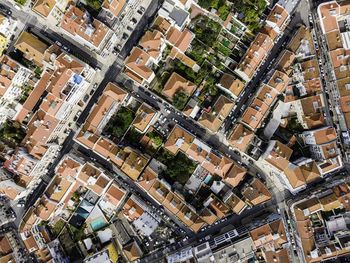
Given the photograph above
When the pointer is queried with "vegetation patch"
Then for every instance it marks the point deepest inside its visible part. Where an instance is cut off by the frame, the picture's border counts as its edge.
(180, 99)
(77, 234)
(26, 90)
(38, 71)
(120, 122)
(220, 5)
(206, 30)
(197, 52)
(179, 166)
(210, 86)
(133, 137)
(294, 125)
(21, 2)
(189, 74)
(222, 49)
(250, 11)
(12, 132)
(156, 139)
(94, 4)
(57, 228)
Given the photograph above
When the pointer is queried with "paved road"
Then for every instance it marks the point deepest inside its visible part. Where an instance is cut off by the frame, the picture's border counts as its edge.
(214, 141)
(42, 31)
(331, 94)
(234, 221)
(141, 26)
(254, 84)
(109, 75)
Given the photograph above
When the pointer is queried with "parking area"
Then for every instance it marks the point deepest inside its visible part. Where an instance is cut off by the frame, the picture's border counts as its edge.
(7, 214)
(128, 21)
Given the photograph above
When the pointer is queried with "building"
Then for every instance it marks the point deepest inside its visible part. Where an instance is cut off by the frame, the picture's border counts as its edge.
(322, 142)
(109, 254)
(138, 67)
(218, 113)
(174, 12)
(320, 237)
(254, 56)
(85, 29)
(51, 10)
(275, 23)
(32, 48)
(112, 9)
(8, 26)
(175, 84)
(110, 101)
(332, 16)
(256, 193)
(14, 79)
(153, 42)
(240, 137)
(145, 116)
(231, 85)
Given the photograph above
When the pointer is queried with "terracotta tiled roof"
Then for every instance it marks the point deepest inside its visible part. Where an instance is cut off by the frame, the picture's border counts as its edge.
(151, 42)
(232, 84)
(77, 22)
(114, 6)
(278, 15)
(241, 137)
(236, 204)
(44, 7)
(147, 179)
(328, 13)
(256, 193)
(132, 251)
(286, 61)
(180, 39)
(161, 24)
(40, 128)
(137, 62)
(279, 156)
(111, 98)
(269, 236)
(179, 139)
(144, 116)
(267, 95)
(5, 247)
(134, 163)
(279, 256)
(173, 203)
(132, 210)
(7, 72)
(255, 114)
(310, 69)
(279, 81)
(257, 51)
(114, 194)
(159, 191)
(177, 83)
(235, 175)
(217, 115)
(31, 47)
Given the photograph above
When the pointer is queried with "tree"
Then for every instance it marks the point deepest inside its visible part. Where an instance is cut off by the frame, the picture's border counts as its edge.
(12, 132)
(204, 3)
(94, 4)
(224, 11)
(156, 139)
(120, 122)
(174, 171)
(180, 100)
